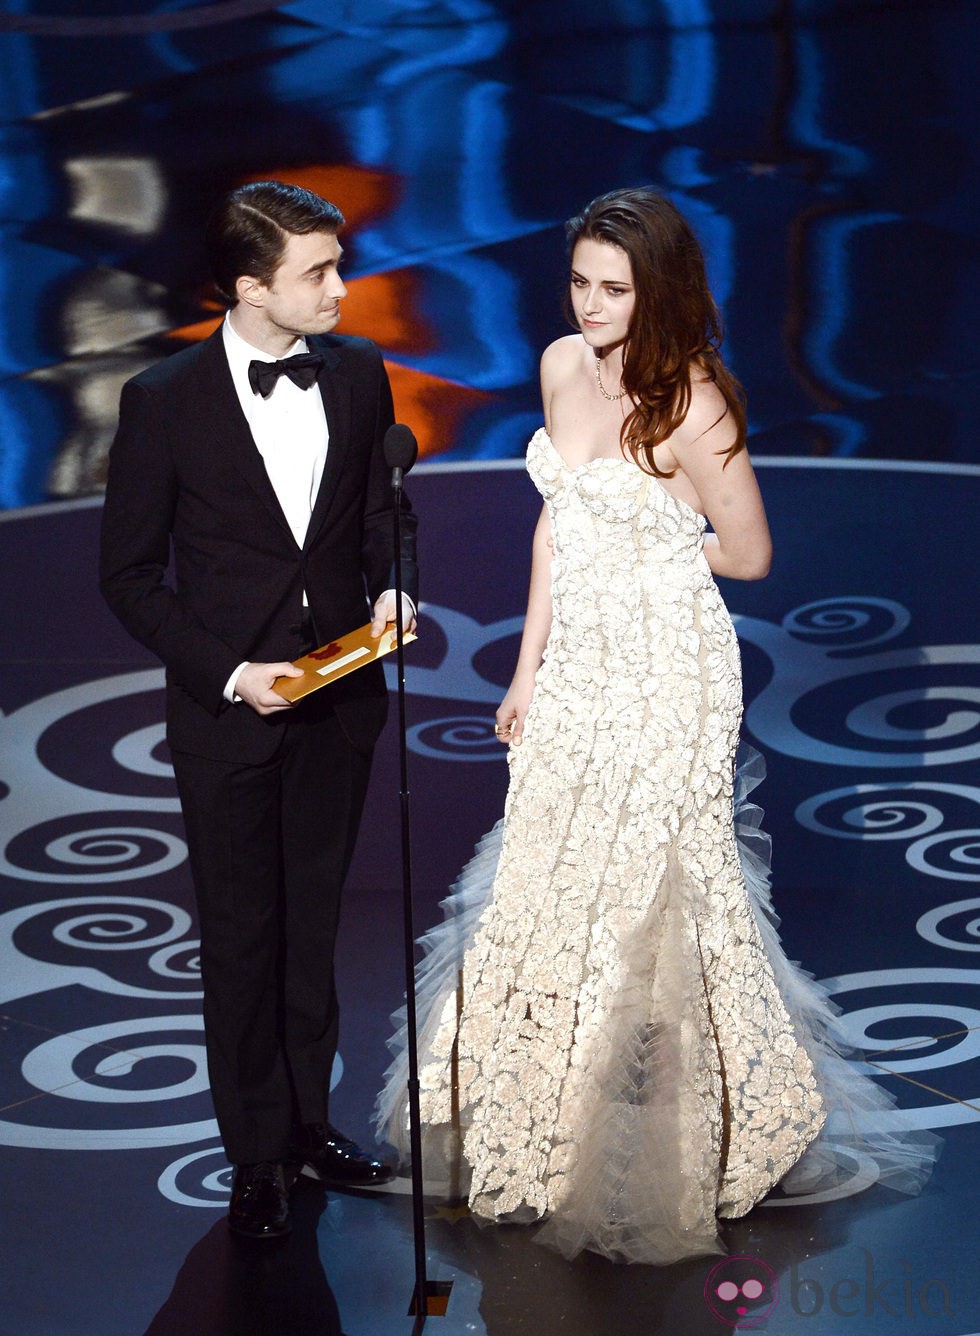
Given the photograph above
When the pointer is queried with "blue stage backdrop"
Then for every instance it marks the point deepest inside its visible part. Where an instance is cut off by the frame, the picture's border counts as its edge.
(824, 153)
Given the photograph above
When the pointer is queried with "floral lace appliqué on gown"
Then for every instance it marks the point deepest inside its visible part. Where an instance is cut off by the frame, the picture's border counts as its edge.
(604, 1042)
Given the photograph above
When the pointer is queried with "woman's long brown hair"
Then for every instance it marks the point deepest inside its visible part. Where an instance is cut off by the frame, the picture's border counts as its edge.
(676, 326)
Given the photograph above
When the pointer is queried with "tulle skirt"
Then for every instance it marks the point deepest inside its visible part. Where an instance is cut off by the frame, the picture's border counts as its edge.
(625, 1191)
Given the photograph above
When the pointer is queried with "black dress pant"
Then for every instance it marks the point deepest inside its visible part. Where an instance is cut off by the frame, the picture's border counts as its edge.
(269, 846)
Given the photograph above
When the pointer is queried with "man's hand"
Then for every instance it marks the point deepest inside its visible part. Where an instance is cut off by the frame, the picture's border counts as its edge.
(384, 612)
(254, 686)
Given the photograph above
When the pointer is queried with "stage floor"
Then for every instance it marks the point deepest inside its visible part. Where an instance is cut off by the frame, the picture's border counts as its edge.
(858, 674)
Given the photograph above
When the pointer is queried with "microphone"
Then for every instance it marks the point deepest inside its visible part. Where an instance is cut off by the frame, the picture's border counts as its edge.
(401, 450)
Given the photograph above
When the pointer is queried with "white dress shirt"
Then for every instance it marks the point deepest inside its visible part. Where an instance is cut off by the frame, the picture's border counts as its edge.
(291, 434)
(289, 429)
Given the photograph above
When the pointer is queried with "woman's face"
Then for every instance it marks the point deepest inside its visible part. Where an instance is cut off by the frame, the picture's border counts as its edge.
(602, 293)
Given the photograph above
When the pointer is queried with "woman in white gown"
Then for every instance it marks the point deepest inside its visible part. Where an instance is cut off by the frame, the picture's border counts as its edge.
(610, 1037)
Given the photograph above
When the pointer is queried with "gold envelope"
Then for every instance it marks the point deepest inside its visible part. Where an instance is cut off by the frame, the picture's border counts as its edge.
(342, 656)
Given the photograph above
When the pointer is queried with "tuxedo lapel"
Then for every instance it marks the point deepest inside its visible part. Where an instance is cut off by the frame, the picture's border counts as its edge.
(232, 429)
(336, 390)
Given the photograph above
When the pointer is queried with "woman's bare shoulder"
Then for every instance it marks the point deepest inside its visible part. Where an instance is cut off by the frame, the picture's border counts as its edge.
(562, 353)
(559, 362)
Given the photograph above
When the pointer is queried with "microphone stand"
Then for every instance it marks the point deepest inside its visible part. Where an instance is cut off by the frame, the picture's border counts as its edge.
(415, 1129)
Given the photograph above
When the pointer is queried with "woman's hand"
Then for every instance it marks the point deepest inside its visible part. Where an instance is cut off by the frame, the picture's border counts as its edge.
(537, 624)
(513, 710)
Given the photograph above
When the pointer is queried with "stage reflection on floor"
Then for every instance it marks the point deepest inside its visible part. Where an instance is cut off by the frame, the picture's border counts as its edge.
(860, 677)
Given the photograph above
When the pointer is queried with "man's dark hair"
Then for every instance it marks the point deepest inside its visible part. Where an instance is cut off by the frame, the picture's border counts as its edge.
(248, 231)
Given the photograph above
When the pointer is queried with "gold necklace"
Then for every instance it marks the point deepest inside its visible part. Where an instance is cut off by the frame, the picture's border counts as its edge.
(602, 389)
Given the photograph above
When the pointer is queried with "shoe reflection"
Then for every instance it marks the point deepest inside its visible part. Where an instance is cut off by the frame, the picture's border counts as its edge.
(231, 1286)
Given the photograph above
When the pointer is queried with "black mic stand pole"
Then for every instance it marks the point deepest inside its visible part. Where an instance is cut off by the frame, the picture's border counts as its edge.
(421, 1302)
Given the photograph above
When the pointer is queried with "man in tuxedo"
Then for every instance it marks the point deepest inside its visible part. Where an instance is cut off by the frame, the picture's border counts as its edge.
(257, 458)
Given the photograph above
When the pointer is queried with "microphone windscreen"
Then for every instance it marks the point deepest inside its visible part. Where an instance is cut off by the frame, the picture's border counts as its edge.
(401, 449)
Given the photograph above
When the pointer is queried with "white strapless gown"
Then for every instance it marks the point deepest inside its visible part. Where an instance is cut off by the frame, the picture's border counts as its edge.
(610, 1036)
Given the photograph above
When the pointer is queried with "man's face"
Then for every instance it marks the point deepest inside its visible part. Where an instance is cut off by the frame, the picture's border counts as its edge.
(305, 292)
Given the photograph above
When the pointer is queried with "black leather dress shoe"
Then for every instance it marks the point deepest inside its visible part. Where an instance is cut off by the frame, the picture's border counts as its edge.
(336, 1160)
(259, 1201)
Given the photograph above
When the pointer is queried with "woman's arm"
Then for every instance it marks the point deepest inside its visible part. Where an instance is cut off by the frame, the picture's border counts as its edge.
(537, 625)
(740, 546)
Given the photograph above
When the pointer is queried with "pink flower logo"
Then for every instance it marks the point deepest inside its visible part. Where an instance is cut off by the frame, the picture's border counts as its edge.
(741, 1291)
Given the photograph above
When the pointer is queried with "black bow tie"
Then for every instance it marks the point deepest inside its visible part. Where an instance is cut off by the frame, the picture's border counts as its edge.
(301, 369)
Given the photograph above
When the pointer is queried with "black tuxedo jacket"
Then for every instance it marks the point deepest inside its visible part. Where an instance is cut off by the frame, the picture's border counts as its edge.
(185, 471)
